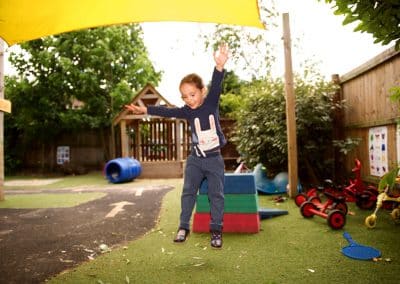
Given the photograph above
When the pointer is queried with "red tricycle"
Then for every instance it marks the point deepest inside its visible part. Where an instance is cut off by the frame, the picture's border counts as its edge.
(364, 196)
(334, 209)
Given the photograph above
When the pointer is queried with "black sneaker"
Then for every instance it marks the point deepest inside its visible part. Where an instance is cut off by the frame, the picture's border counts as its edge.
(181, 235)
(216, 239)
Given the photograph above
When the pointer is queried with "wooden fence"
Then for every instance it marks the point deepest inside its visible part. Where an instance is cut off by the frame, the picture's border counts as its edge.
(366, 91)
(158, 140)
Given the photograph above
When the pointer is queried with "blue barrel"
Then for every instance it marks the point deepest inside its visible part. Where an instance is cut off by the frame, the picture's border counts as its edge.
(122, 170)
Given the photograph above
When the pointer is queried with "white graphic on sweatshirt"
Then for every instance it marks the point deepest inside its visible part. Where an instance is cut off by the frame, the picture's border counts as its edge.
(208, 139)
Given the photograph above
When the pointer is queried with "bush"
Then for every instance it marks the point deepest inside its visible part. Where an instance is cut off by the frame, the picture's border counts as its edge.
(261, 126)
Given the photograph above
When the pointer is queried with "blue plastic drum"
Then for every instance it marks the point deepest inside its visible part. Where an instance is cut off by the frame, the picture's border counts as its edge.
(122, 170)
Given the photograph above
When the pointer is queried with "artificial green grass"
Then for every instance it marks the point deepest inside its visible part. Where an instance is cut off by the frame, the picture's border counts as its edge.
(92, 178)
(49, 200)
(288, 249)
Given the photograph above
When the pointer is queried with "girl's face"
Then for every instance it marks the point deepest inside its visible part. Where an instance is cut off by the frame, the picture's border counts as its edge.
(192, 96)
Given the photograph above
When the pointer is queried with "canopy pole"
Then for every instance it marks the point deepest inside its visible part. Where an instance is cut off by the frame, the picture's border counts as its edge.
(290, 110)
(2, 50)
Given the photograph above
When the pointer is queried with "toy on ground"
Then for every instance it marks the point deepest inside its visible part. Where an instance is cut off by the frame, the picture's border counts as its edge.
(364, 196)
(358, 251)
(266, 185)
(312, 192)
(370, 221)
(241, 211)
(266, 213)
(240, 207)
(122, 170)
(387, 200)
(334, 209)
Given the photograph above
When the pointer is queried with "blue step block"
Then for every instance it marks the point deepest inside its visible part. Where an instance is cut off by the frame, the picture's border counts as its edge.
(241, 183)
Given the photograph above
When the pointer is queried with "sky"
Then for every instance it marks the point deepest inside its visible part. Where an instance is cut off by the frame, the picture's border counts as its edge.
(175, 49)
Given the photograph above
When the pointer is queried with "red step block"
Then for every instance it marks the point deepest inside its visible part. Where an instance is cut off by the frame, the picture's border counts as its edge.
(233, 223)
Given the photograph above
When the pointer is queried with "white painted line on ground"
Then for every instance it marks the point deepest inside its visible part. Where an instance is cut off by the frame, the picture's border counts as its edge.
(118, 207)
(139, 191)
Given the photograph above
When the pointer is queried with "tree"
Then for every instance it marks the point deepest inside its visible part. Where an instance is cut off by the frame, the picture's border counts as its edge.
(100, 67)
(379, 18)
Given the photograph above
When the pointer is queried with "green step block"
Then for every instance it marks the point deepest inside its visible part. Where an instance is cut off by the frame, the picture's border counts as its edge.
(234, 203)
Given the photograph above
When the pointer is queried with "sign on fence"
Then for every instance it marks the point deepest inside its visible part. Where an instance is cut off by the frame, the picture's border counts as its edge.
(378, 156)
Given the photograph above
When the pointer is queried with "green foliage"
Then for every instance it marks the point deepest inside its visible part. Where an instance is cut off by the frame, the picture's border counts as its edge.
(229, 105)
(261, 135)
(99, 67)
(231, 99)
(379, 18)
(395, 93)
(347, 145)
(388, 180)
(261, 128)
(232, 83)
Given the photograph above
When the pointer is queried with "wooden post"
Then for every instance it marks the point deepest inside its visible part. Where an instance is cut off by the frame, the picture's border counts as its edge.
(290, 109)
(178, 138)
(124, 139)
(2, 50)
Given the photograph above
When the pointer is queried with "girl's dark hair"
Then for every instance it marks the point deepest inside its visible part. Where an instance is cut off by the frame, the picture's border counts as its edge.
(192, 79)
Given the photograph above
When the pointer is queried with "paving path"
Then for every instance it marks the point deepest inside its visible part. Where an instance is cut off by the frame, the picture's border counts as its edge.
(36, 244)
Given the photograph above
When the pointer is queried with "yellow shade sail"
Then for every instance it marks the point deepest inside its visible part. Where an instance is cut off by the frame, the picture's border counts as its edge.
(24, 20)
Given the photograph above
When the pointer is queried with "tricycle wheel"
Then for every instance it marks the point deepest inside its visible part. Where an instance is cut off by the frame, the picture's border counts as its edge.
(314, 199)
(336, 219)
(300, 199)
(370, 221)
(306, 209)
(396, 215)
(342, 206)
(366, 200)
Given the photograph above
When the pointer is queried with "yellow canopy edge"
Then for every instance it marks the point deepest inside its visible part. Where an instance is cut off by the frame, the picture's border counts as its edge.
(24, 20)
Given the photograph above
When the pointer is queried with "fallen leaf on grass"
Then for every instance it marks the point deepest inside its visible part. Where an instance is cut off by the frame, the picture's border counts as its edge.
(104, 248)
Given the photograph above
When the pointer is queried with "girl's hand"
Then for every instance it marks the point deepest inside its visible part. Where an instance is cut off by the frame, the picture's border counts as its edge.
(221, 56)
(136, 109)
